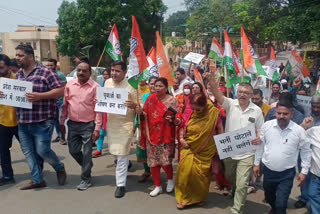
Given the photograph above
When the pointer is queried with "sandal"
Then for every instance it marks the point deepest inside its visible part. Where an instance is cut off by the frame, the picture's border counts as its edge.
(201, 203)
(144, 177)
(180, 206)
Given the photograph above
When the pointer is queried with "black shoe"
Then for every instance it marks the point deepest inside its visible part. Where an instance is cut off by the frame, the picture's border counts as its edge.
(56, 140)
(4, 181)
(120, 192)
(130, 165)
(300, 204)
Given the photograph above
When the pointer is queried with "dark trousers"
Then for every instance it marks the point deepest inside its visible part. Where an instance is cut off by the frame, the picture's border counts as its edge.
(80, 145)
(277, 187)
(6, 135)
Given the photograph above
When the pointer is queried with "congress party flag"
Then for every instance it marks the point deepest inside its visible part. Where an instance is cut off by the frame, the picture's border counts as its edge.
(216, 51)
(273, 73)
(232, 76)
(250, 59)
(295, 66)
(152, 70)
(162, 62)
(137, 60)
(239, 69)
(113, 44)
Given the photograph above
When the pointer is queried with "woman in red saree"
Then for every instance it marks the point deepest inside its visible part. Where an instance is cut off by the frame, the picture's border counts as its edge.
(161, 117)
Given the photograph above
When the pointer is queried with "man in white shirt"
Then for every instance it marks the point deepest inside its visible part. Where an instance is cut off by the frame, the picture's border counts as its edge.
(282, 140)
(182, 78)
(314, 186)
(241, 113)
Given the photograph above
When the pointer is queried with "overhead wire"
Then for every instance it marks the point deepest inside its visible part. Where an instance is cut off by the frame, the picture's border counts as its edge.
(25, 15)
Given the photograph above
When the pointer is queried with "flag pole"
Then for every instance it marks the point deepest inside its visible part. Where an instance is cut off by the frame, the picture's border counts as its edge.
(104, 49)
(242, 70)
(227, 80)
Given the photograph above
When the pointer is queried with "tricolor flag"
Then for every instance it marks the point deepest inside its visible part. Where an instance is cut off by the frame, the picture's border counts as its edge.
(152, 70)
(216, 51)
(273, 73)
(250, 59)
(295, 66)
(198, 78)
(239, 69)
(232, 77)
(113, 44)
(138, 60)
(162, 62)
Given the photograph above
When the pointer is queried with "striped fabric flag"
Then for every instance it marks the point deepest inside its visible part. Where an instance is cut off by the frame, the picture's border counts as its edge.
(162, 62)
(113, 44)
(198, 78)
(232, 76)
(295, 66)
(216, 51)
(152, 70)
(138, 60)
(273, 73)
(239, 69)
(250, 59)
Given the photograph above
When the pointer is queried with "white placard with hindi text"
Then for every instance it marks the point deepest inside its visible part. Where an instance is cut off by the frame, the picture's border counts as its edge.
(236, 142)
(111, 100)
(194, 57)
(305, 102)
(14, 93)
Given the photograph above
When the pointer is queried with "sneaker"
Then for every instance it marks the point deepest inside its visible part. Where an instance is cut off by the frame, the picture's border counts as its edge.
(96, 154)
(299, 204)
(251, 189)
(156, 191)
(170, 186)
(4, 181)
(56, 140)
(62, 142)
(84, 185)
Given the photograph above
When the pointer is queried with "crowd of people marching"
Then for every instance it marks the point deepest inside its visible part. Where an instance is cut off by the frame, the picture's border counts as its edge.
(181, 120)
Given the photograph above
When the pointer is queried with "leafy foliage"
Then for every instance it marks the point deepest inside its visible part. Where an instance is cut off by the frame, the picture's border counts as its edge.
(89, 22)
(176, 23)
(264, 20)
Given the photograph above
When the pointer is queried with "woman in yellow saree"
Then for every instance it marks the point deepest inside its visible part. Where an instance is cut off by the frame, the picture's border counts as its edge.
(194, 175)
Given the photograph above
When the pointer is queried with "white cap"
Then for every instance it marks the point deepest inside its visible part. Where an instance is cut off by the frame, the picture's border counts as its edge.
(283, 81)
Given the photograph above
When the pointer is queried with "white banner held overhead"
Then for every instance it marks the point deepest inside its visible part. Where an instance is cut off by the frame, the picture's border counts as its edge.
(194, 57)
(235, 143)
(14, 93)
(111, 100)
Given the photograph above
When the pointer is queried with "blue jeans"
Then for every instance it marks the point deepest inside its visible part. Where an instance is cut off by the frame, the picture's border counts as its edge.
(304, 197)
(35, 142)
(314, 193)
(57, 122)
(277, 187)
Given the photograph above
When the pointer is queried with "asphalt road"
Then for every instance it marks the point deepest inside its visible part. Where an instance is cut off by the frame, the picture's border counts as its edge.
(100, 197)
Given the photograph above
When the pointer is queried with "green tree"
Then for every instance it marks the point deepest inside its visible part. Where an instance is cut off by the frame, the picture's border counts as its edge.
(194, 4)
(210, 15)
(88, 22)
(264, 20)
(176, 23)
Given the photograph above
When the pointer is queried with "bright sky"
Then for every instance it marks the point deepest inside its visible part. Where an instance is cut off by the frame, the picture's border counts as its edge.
(44, 12)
